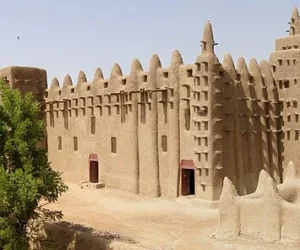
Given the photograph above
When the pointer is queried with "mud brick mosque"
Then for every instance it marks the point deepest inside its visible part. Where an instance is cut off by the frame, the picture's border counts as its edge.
(177, 130)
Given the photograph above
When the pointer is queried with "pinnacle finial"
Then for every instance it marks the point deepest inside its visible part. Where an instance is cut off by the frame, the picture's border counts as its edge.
(136, 66)
(67, 81)
(98, 74)
(208, 41)
(295, 23)
(228, 63)
(81, 77)
(116, 71)
(54, 83)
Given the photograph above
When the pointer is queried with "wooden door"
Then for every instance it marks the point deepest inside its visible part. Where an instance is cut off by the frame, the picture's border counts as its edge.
(185, 187)
(94, 172)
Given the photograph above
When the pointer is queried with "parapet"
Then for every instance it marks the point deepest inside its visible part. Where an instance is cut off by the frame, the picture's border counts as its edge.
(271, 214)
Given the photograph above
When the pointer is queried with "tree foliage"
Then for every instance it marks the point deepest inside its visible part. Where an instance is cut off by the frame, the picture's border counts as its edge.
(27, 181)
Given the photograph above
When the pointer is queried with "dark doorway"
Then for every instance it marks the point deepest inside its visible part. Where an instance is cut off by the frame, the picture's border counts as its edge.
(188, 182)
(94, 172)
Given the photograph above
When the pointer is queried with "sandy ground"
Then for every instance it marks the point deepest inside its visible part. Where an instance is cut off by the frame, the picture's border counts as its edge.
(153, 223)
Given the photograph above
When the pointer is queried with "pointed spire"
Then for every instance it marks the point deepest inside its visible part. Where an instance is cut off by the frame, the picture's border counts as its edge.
(229, 191)
(267, 73)
(154, 62)
(54, 83)
(116, 71)
(136, 66)
(67, 81)
(295, 13)
(295, 23)
(254, 67)
(228, 65)
(271, 191)
(208, 42)
(243, 69)
(81, 77)
(262, 181)
(290, 172)
(176, 58)
(98, 74)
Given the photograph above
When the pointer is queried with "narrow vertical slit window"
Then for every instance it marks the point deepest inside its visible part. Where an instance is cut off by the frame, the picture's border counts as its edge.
(164, 143)
(114, 145)
(93, 125)
(75, 141)
(59, 143)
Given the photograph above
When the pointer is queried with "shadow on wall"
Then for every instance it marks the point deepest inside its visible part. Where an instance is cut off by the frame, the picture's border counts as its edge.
(69, 236)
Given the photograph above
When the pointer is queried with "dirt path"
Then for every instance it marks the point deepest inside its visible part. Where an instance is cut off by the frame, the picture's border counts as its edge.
(154, 223)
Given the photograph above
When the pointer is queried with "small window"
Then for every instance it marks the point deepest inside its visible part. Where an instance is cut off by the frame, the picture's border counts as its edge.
(59, 143)
(124, 81)
(295, 81)
(296, 47)
(205, 141)
(189, 73)
(105, 84)
(205, 125)
(286, 84)
(198, 66)
(166, 74)
(294, 61)
(295, 104)
(296, 135)
(207, 172)
(288, 135)
(288, 62)
(280, 84)
(251, 80)
(145, 78)
(205, 95)
(273, 68)
(88, 88)
(280, 62)
(289, 118)
(205, 78)
(204, 46)
(46, 94)
(164, 143)
(93, 125)
(197, 81)
(238, 77)
(296, 118)
(221, 73)
(293, 20)
(206, 66)
(284, 48)
(59, 92)
(114, 145)
(75, 140)
(288, 104)
(206, 156)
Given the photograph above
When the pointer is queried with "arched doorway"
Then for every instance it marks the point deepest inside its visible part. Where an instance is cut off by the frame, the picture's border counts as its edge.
(93, 168)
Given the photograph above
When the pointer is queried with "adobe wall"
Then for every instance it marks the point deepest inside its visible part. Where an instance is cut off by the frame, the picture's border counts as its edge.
(147, 127)
(219, 119)
(271, 213)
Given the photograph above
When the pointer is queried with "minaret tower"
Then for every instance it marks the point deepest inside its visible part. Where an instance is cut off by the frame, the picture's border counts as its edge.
(284, 63)
(210, 117)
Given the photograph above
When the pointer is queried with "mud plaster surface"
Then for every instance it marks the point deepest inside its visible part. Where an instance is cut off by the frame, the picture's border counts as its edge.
(153, 223)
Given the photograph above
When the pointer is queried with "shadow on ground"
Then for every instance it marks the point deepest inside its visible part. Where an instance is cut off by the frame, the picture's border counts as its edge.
(69, 236)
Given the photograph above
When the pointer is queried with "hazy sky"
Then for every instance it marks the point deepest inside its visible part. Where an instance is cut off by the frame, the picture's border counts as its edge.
(67, 36)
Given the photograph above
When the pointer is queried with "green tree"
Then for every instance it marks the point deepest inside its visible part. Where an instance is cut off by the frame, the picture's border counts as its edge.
(27, 182)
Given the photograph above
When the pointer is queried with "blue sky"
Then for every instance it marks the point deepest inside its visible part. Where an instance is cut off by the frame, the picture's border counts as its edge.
(70, 35)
